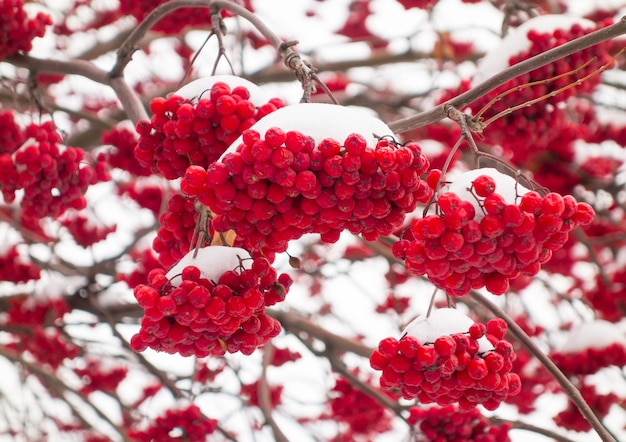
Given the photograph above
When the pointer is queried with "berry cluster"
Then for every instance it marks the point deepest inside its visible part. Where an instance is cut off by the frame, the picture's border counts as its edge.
(420, 4)
(361, 412)
(572, 419)
(183, 132)
(251, 393)
(121, 153)
(15, 268)
(276, 188)
(46, 345)
(281, 356)
(146, 261)
(177, 226)
(28, 311)
(547, 122)
(450, 424)
(189, 313)
(481, 238)
(98, 376)
(188, 420)
(11, 134)
(590, 360)
(466, 368)
(84, 229)
(17, 29)
(147, 193)
(53, 177)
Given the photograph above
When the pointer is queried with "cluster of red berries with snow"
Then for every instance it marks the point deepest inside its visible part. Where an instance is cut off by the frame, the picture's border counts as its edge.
(196, 130)
(54, 177)
(86, 230)
(601, 404)
(536, 125)
(96, 375)
(177, 226)
(17, 29)
(446, 358)
(121, 152)
(449, 424)
(591, 347)
(188, 421)
(362, 414)
(279, 185)
(210, 304)
(488, 230)
(15, 267)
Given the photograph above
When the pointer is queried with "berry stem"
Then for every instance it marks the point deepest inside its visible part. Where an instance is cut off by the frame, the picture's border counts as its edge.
(569, 388)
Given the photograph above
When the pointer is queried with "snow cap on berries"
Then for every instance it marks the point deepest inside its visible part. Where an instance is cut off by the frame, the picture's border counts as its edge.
(201, 87)
(596, 334)
(442, 322)
(212, 261)
(321, 121)
(505, 185)
(516, 41)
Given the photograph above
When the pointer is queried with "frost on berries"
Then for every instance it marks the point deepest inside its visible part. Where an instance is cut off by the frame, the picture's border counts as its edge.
(296, 171)
(210, 304)
(446, 358)
(488, 230)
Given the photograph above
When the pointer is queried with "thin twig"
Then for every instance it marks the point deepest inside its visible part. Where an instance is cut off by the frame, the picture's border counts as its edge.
(265, 400)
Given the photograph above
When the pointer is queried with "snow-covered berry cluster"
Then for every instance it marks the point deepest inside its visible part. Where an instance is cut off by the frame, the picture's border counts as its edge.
(85, 229)
(279, 185)
(591, 347)
(16, 267)
(487, 230)
(188, 421)
(98, 375)
(196, 130)
(450, 424)
(17, 29)
(53, 177)
(446, 358)
(210, 304)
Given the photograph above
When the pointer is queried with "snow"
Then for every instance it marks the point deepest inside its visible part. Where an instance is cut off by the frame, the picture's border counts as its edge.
(597, 334)
(442, 322)
(196, 88)
(213, 262)
(506, 186)
(320, 121)
(517, 41)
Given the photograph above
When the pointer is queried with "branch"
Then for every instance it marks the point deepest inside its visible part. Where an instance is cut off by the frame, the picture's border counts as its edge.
(295, 323)
(73, 67)
(519, 425)
(439, 112)
(265, 402)
(569, 388)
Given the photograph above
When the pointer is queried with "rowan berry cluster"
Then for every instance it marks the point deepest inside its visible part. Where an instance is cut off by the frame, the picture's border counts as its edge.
(84, 229)
(98, 376)
(487, 239)
(201, 317)
(17, 29)
(147, 193)
(16, 268)
(174, 22)
(276, 187)
(146, 262)
(361, 412)
(28, 311)
(452, 369)
(590, 360)
(188, 420)
(54, 178)
(535, 126)
(177, 226)
(46, 345)
(449, 424)
(121, 153)
(11, 134)
(572, 419)
(251, 393)
(181, 132)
